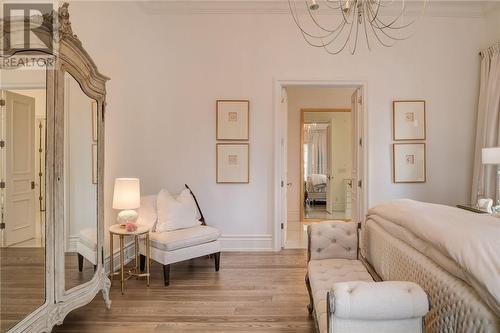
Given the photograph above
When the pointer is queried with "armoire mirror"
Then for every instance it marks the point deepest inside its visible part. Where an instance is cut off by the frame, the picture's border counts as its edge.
(23, 93)
(80, 181)
(51, 170)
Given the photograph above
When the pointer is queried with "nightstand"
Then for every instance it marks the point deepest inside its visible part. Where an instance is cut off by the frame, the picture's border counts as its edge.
(117, 230)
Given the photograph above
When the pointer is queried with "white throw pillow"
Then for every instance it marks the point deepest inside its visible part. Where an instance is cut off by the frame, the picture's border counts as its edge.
(176, 213)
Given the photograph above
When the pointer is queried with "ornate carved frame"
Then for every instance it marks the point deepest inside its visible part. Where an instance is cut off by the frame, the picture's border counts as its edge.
(70, 57)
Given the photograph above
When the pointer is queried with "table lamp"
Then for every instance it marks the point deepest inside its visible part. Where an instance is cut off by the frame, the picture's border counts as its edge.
(491, 156)
(127, 197)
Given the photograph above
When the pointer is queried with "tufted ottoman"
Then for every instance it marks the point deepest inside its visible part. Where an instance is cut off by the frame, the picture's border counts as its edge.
(344, 297)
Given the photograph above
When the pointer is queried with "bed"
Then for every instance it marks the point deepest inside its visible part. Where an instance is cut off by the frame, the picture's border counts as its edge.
(454, 255)
(315, 189)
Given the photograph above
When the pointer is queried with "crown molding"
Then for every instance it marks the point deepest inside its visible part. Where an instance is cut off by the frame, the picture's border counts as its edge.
(435, 8)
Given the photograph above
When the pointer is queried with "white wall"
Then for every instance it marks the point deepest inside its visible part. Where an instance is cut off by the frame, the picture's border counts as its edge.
(300, 98)
(493, 27)
(167, 71)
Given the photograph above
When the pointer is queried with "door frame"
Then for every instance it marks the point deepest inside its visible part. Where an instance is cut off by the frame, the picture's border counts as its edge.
(301, 168)
(279, 134)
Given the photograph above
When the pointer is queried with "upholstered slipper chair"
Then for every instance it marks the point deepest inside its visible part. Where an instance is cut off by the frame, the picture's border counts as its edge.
(86, 247)
(169, 247)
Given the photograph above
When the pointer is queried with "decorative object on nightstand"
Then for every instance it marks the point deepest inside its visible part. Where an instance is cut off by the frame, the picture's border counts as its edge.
(127, 196)
(135, 272)
(491, 156)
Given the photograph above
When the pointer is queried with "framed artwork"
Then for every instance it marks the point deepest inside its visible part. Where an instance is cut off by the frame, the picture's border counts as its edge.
(409, 163)
(232, 163)
(408, 120)
(232, 120)
(94, 121)
(94, 163)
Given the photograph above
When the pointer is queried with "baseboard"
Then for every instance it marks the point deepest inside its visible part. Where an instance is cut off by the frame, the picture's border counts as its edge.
(246, 243)
(128, 252)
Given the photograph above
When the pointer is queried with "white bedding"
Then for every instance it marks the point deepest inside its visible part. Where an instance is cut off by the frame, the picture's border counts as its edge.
(465, 244)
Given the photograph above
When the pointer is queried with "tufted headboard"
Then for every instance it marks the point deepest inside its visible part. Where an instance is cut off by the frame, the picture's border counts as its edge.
(332, 239)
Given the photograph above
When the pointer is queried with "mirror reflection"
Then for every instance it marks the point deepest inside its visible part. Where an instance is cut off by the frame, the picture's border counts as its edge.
(22, 193)
(327, 160)
(80, 173)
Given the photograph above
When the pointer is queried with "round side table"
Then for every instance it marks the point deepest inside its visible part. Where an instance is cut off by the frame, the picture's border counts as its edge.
(117, 230)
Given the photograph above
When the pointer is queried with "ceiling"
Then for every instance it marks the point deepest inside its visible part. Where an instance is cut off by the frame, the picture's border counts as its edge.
(435, 8)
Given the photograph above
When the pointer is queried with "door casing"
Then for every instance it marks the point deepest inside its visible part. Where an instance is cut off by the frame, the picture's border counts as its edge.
(281, 134)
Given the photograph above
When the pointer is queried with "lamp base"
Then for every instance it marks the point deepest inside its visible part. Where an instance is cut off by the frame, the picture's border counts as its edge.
(127, 216)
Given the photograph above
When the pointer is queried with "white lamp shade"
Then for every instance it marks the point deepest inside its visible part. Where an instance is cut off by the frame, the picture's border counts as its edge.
(491, 155)
(127, 193)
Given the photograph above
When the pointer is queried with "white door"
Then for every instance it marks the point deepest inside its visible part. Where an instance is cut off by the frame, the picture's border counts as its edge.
(329, 168)
(19, 162)
(357, 155)
(284, 166)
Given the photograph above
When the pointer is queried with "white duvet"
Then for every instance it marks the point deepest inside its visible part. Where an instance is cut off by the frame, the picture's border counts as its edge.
(470, 240)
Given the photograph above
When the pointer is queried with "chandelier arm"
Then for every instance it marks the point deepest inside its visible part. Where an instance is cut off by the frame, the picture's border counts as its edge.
(392, 26)
(382, 30)
(378, 38)
(357, 30)
(367, 39)
(327, 3)
(319, 25)
(370, 10)
(397, 17)
(343, 46)
(323, 44)
(297, 23)
(343, 13)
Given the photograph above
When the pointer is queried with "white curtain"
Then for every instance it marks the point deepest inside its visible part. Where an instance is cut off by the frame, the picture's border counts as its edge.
(316, 151)
(488, 123)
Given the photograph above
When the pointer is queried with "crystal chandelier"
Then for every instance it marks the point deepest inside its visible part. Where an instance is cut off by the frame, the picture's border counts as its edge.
(379, 21)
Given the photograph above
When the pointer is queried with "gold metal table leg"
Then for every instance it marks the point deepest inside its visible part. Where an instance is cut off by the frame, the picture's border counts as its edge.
(148, 255)
(122, 259)
(111, 267)
(136, 243)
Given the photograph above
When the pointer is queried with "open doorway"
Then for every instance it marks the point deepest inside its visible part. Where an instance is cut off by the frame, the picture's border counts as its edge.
(322, 157)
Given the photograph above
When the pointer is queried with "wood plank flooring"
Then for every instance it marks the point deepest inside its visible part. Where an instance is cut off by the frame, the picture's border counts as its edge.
(252, 292)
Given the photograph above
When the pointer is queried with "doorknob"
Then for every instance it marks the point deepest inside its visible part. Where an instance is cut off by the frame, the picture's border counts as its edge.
(289, 184)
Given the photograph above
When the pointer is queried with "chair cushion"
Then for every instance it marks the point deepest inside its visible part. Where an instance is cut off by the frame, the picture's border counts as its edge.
(181, 238)
(324, 273)
(88, 237)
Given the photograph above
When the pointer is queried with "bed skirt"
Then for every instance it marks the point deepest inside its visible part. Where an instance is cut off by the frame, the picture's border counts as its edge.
(456, 307)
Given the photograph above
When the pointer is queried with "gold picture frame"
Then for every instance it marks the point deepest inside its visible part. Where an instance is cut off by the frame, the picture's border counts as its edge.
(409, 120)
(233, 120)
(409, 162)
(232, 163)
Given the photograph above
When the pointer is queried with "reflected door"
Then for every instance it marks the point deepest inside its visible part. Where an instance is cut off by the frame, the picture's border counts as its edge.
(20, 202)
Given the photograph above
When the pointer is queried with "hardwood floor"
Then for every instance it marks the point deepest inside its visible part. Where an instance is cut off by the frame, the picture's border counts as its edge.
(252, 292)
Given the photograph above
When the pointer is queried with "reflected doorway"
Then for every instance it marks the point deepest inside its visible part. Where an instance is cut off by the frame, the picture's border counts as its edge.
(326, 159)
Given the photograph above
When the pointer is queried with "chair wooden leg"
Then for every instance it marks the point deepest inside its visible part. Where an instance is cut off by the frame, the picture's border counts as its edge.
(166, 275)
(80, 262)
(217, 261)
(143, 262)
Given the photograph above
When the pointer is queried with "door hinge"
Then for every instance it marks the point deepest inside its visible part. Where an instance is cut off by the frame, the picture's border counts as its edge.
(360, 100)
(2, 226)
(361, 142)
(2, 184)
(2, 102)
(2, 143)
(282, 183)
(282, 226)
(32, 185)
(360, 183)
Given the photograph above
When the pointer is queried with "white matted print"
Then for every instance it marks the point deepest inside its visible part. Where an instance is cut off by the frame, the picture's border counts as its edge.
(409, 120)
(232, 119)
(409, 163)
(232, 163)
